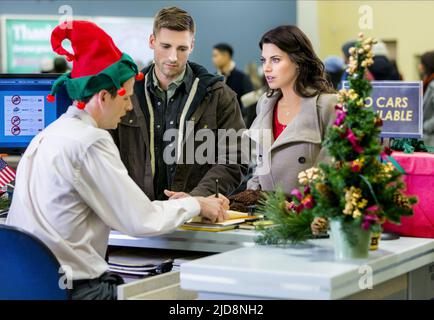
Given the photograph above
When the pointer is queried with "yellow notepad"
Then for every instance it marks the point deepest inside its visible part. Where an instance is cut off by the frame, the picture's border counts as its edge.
(206, 227)
(233, 215)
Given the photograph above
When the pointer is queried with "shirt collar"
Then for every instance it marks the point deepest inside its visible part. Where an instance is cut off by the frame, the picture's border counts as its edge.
(186, 78)
(83, 115)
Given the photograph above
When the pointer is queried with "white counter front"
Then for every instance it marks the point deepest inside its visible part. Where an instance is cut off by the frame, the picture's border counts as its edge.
(310, 271)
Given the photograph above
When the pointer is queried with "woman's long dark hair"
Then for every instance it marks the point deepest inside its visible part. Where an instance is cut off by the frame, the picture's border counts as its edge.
(311, 79)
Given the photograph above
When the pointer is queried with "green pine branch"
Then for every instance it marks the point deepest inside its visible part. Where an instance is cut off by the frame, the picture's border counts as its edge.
(290, 227)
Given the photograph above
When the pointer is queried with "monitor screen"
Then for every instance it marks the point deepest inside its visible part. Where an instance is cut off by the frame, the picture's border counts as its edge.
(25, 110)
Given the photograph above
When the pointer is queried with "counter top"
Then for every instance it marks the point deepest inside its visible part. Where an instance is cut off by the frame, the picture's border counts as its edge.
(307, 271)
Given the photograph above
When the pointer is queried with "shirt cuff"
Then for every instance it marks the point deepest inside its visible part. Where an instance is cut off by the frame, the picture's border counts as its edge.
(191, 206)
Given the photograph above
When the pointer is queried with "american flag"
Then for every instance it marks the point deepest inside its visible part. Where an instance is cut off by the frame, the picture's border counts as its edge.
(7, 174)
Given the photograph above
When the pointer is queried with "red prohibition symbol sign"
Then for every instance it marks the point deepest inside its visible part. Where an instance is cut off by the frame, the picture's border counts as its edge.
(16, 100)
(15, 130)
(15, 120)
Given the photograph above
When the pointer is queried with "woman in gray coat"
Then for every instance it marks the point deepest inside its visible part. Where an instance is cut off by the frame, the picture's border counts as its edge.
(293, 116)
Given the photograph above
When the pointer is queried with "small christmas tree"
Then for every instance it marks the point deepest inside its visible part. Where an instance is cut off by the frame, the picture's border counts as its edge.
(359, 187)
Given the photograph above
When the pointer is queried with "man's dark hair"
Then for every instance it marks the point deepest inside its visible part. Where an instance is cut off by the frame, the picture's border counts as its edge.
(224, 47)
(113, 93)
(173, 18)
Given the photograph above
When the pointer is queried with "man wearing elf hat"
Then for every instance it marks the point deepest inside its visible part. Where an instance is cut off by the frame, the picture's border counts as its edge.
(71, 185)
(177, 95)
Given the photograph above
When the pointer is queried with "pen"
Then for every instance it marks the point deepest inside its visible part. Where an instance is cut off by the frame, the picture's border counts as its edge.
(216, 188)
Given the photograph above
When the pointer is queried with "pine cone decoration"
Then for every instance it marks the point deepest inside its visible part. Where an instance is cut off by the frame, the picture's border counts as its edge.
(319, 225)
(339, 164)
(323, 189)
(401, 200)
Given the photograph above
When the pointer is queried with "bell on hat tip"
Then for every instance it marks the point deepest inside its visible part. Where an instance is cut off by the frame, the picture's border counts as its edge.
(122, 92)
(81, 105)
(140, 76)
(51, 98)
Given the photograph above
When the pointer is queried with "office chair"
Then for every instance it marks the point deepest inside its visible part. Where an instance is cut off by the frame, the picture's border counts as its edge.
(28, 268)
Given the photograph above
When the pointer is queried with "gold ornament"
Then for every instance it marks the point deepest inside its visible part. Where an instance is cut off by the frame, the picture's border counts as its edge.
(354, 202)
(308, 176)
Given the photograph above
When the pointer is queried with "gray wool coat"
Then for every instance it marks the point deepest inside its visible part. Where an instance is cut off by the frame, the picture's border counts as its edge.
(296, 149)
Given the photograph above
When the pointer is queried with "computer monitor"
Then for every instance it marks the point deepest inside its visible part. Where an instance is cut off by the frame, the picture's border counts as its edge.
(25, 110)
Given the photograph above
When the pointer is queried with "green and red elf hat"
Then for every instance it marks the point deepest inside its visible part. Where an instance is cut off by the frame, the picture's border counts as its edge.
(97, 63)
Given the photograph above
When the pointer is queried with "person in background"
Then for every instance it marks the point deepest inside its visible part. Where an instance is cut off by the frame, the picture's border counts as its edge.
(72, 187)
(46, 65)
(60, 65)
(297, 110)
(173, 94)
(426, 69)
(56, 65)
(250, 99)
(237, 80)
(395, 66)
(345, 47)
(334, 67)
(383, 68)
(255, 74)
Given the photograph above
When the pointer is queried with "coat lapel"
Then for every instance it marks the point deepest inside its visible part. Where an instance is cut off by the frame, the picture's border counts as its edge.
(261, 130)
(304, 127)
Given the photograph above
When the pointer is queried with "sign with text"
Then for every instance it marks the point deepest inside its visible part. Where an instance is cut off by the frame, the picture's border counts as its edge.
(26, 44)
(399, 104)
(25, 41)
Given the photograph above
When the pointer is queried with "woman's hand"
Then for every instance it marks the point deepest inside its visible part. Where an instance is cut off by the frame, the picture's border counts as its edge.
(175, 195)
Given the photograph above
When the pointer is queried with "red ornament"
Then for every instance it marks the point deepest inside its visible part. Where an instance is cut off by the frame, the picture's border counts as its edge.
(51, 98)
(355, 166)
(342, 131)
(378, 122)
(81, 105)
(122, 92)
(308, 202)
(140, 76)
(388, 150)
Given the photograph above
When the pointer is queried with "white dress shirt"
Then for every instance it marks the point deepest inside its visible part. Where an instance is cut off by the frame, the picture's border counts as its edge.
(72, 188)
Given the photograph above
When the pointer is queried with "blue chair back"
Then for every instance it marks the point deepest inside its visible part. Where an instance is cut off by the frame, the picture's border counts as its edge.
(28, 268)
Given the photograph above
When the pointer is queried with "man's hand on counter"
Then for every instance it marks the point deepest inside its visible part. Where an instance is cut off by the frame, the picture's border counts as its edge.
(212, 209)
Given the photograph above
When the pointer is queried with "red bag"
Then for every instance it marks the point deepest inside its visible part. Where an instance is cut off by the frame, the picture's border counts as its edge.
(419, 167)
